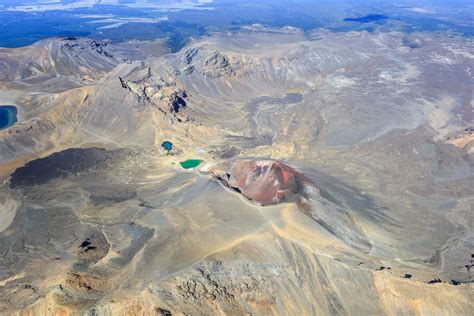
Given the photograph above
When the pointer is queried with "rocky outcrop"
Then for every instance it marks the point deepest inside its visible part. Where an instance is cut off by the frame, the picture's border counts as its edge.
(216, 286)
(93, 249)
(76, 45)
(210, 63)
(167, 96)
(220, 65)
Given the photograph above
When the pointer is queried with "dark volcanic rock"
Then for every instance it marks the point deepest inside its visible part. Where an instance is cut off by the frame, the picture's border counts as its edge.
(163, 312)
(71, 161)
(434, 281)
(93, 248)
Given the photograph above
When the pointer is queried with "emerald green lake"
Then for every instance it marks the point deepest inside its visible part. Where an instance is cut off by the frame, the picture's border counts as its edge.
(190, 163)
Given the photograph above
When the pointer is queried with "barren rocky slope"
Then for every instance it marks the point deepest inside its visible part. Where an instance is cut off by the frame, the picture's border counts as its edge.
(337, 176)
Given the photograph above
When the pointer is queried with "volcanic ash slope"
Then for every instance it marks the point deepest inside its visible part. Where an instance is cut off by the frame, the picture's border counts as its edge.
(336, 178)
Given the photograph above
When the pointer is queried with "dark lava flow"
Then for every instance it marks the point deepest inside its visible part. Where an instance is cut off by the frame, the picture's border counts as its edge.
(60, 165)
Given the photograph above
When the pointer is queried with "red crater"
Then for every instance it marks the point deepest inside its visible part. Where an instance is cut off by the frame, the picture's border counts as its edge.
(266, 181)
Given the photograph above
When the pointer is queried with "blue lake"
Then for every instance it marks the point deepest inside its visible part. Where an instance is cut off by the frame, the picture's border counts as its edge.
(7, 116)
(367, 19)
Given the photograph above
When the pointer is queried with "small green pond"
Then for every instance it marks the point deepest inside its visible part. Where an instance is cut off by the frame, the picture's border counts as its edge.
(190, 163)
